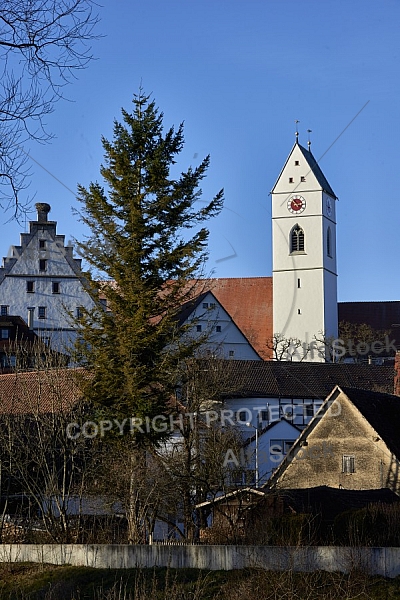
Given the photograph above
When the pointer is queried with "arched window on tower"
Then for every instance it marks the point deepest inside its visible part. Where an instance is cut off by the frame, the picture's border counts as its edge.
(297, 239)
(329, 242)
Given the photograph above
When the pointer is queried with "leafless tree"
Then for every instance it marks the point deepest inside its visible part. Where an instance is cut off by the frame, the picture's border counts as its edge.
(196, 460)
(43, 469)
(43, 43)
(287, 348)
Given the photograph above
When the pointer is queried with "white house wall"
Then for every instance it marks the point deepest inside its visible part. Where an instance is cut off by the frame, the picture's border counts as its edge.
(22, 266)
(227, 343)
(269, 455)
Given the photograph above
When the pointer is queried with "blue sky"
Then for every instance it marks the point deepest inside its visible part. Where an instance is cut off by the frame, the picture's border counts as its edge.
(239, 73)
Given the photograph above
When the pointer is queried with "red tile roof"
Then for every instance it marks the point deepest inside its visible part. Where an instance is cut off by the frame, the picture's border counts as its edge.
(33, 392)
(248, 300)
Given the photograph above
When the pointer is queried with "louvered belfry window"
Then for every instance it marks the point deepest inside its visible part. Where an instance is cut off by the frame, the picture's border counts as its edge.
(297, 239)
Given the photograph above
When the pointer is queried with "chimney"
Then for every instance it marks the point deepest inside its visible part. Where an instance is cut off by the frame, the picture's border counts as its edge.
(397, 373)
(43, 210)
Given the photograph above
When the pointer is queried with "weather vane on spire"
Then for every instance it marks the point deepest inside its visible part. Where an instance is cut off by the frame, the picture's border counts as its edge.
(297, 132)
(309, 140)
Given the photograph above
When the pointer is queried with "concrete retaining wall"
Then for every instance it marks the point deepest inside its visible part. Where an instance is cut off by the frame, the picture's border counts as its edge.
(376, 561)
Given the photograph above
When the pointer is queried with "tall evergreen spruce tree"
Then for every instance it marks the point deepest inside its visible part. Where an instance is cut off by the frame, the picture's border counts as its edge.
(137, 242)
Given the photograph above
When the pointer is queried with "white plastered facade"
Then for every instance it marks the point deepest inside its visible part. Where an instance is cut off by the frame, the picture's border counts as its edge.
(304, 281)
(42, 272)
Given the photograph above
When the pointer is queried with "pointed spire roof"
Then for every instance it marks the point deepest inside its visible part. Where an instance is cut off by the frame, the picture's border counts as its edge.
(314, 167)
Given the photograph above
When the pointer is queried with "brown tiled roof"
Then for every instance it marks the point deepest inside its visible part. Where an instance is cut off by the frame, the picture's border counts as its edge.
(32, 392)
(382, 316)
(251, 378)
(382, 411)
(248, 300)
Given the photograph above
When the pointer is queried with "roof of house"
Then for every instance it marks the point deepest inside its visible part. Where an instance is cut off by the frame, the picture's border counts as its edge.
(330, 502)
(252, 378)
(314, 166)
(18, 330)
(248, 301)
(39, 391)
(267, 428)
(382, 316)
(382, 411)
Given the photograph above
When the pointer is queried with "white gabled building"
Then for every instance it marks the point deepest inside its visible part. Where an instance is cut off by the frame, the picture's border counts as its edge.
(223, 338)
(41, 282)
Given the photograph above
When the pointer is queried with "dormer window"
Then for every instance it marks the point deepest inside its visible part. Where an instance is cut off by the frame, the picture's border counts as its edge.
(297, 239)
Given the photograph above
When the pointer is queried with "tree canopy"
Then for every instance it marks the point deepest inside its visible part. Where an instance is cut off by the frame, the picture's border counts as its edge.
(147, 242)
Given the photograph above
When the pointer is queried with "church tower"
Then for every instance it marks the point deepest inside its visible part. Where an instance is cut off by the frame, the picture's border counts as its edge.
(304, 256)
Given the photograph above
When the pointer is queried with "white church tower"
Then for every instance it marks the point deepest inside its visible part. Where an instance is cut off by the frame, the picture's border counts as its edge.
(304, 256)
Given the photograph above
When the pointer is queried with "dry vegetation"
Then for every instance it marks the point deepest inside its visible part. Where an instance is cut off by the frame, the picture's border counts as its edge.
(46, 582)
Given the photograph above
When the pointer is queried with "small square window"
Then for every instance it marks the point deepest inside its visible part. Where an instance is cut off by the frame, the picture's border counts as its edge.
(218, 328)
(4, 334)
(296, 163)
(291, 180)
(302, 179)
(231, 353)
(212, 304)
(198, 327)
(42, 264)
(309, 410)
(205, 304)
(30, 287)
(56, 287)
(4, 310)
(264, 415)
(241, 416)
(42, 312)
(42, 244)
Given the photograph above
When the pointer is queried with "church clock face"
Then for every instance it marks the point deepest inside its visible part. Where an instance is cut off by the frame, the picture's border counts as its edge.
(296, 204)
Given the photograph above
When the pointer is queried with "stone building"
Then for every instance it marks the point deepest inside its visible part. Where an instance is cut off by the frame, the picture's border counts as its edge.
(362, 428)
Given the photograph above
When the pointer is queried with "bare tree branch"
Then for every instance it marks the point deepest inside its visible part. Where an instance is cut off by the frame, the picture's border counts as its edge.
(42, 45)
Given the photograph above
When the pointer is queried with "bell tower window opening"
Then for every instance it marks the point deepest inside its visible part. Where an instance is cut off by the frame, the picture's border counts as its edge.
(297, 239)
(329, 242)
